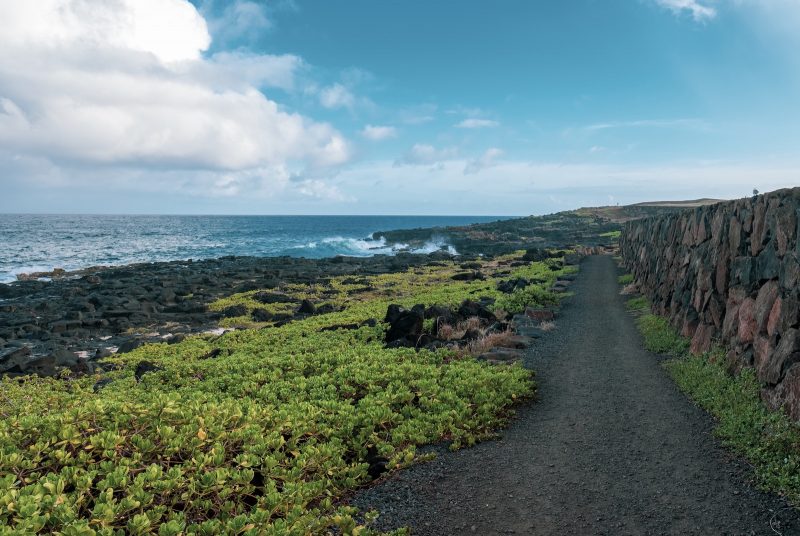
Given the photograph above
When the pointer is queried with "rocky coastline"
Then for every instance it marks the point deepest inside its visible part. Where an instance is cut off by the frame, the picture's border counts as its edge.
(62, 319)
(78, 317)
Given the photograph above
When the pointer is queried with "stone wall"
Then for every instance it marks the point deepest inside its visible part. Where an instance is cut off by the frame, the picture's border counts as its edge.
(728, 273)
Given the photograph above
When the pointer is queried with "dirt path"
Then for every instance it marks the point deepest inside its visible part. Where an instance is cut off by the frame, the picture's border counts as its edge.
(611, 447)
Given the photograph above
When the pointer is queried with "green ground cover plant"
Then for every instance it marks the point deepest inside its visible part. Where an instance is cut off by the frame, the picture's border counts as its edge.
(768, 439)
(612, 234)
(257, 431)
(625, 279)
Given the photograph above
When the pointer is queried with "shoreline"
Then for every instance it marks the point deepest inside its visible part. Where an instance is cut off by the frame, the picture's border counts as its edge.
(91, 313)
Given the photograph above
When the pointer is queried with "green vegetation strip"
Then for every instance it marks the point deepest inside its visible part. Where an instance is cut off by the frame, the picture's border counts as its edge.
(259, 431)
(768, 439)
(612, 234)
(625, 279)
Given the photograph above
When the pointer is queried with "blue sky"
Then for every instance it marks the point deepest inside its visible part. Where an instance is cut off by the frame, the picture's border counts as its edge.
(364, 107)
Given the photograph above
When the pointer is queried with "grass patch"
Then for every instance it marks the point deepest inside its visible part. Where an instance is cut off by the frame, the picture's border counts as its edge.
(258, 431)
(768, 439)
(638, 305)
(625, 279)
(611, 234)
(660, 338)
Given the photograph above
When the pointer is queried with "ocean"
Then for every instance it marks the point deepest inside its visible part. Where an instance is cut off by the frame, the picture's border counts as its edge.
(35, 242)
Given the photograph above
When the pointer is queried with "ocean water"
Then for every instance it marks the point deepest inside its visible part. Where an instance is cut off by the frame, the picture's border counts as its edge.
(34, 242)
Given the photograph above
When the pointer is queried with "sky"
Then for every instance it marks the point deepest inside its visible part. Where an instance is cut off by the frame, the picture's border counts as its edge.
(393, 107)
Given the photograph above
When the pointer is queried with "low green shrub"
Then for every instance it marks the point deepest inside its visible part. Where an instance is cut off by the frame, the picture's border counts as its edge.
(626, 279)
(259, 431)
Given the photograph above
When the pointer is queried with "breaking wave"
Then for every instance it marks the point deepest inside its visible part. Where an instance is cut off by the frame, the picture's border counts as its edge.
(367, 247)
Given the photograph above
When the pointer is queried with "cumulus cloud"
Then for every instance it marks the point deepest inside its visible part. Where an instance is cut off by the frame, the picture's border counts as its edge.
(378, 133)
(124, 84)
(477, 123)
(699, 11)
(487, 159)
(321, 190)
(240, 19)
(337, 96)
(257, 70)
(423, 154)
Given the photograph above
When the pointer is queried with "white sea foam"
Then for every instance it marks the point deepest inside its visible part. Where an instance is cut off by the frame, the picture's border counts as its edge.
(366, 247)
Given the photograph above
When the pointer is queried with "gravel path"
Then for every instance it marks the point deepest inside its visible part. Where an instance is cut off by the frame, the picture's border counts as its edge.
(610, 447)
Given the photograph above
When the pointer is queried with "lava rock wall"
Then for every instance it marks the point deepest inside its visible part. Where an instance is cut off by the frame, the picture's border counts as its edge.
(728, 274)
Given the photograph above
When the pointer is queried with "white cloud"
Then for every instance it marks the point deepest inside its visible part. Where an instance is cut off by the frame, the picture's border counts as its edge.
(337, 96)
(123, 85)
(423, 154)
(172, 30)
(487, 159)
(477, 123)
(239, 19)
(699, 11)
(378, 133)
(692, 124)
(322, 190)
(256, 70)
(512, 186)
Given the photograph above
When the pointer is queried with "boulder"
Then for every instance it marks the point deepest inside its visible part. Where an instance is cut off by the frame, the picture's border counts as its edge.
(539, 314)
(471, 335)
(509, 286)
(129, 346)
(234, 311)
(469, 309)
(99, 385)
(41, 366)
(261, 315)
(771, 368)
(502, 356)
(468, 276)
(145, 367)
(273, 297)
(13, 359)
(404, 324)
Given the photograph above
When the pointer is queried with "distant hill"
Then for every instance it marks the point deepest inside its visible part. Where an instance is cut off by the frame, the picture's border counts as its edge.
(589, 226)
(621, 214)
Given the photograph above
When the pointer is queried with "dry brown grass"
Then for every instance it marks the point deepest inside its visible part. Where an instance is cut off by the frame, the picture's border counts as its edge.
(449, 332)
(629, 289)
(547, 326)
(487, 342)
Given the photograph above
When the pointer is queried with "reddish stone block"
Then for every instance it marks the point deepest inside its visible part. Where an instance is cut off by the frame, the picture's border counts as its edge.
(715, 311)
(767, 295)
(775, 315)
(702, 339)
(747, 321)
(762, 351)
(730, 325)
(771, 369)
